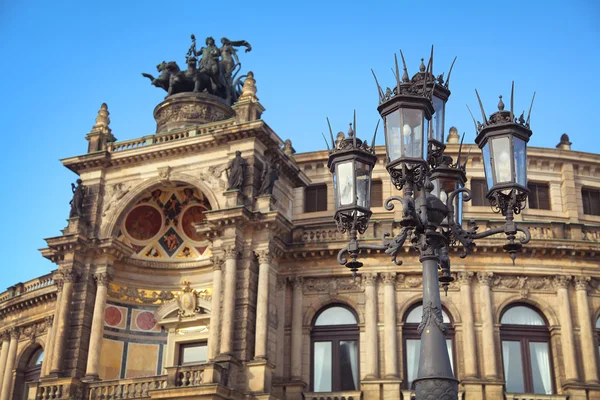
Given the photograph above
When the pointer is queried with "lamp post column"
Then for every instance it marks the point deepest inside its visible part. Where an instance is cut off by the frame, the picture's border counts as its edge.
(590, 366)
(435, 378)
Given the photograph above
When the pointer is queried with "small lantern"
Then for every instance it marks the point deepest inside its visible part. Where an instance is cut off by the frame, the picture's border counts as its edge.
(438, 100)
(446, 178)
(503, 141)
(351, 162)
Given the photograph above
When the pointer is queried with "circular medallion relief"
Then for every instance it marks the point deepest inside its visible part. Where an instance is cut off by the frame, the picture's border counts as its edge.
(112, 316)
(145, 320)
(192, 216)
(143, 222)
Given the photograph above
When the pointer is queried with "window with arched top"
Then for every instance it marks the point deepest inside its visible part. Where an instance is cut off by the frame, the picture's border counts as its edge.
(526, 353)
(598, 333)
(28, 375)
(412, 343)
(334, 344)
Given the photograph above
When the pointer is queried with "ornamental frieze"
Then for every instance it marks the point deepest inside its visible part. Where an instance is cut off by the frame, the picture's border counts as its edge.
(139, 296)
(332, 286)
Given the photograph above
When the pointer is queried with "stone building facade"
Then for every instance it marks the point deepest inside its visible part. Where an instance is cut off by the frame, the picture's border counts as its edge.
(170, 286)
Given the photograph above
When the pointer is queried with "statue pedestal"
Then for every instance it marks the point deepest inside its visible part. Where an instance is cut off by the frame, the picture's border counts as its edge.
(233, 198)
(76, 225)
(265, 203)
(186, 110)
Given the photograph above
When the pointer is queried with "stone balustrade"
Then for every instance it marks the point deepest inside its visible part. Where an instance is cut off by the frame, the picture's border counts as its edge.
(521, 396)
(196, 375)
(51, 391)
(27, 287)
(136, 388)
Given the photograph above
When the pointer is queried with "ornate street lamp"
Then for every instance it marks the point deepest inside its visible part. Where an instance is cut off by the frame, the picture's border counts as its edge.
(433, 191)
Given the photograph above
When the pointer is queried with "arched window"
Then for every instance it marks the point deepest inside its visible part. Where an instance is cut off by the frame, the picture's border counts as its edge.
(598, 332)
(526, 351)
(334, 356)
(412, 343)
(29, 375)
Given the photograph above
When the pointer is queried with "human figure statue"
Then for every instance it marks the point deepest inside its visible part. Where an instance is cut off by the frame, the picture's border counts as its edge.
(77, 201)
(236, 168)
(269, 175)
(229, 57)
(209, 63)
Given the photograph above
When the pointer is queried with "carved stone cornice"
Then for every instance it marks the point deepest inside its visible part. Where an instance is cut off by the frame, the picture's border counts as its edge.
(409, 281)
(388, 278)
(331, 286)
(369, 279)
(116, 249)
(66, 244)
(562, 281)
(522, 283)
(582, 283)
(485, 278)
(464, 278)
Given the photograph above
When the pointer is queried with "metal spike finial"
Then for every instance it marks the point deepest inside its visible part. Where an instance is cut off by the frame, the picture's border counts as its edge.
(500, 104)
(374, 136)
(422, 66)
(530, 107)
(460, 150)
(431, 61)
(331, 133)
(353, 131)
(326, 143)
(397, 74)
(380, 91)
(485, 121)
(405, 77)
(512, 102)
(350, 130)
(449, 73)
(474, 122)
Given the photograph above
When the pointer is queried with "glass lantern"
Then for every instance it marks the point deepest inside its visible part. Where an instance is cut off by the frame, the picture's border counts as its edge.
(437, 129)
(445, 180)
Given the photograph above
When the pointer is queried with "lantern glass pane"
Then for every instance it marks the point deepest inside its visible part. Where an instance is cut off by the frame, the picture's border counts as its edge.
(520, 161)
(363, 184)
(392, 136)
(438, 119)
(501, 153)
(487, 163)
(345, 182)
(458, 207)
(412, 132)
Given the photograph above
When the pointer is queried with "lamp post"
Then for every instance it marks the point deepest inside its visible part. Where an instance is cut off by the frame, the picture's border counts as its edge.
(432, 186)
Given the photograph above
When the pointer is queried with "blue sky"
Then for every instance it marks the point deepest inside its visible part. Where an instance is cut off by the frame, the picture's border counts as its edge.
(311, 59)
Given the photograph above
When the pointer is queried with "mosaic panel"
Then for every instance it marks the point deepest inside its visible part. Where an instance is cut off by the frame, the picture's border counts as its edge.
(115, 316)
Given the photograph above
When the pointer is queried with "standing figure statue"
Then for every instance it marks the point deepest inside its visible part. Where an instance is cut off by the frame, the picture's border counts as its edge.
(209, 64)
(236, 168)
(229, 57)
(269, 175)
(77, 201)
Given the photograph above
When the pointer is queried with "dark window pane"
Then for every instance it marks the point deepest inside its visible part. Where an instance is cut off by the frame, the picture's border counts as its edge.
(539, 196)
(513, 367)
(322, 367)
(315, 198)
(478, 191)
(540, 367)
(348, 365)
(591, 201)
(377, 194)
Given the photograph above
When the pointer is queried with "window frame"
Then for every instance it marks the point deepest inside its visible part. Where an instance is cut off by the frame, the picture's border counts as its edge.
(315, 188)
(525, 334)
(409, 332)
(379, 182)
(534, 193)
(474, 194)
(590, 191)
(334, 334)
(184, 345)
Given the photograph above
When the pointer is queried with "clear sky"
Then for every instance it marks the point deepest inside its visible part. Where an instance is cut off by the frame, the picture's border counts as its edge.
(311, 59)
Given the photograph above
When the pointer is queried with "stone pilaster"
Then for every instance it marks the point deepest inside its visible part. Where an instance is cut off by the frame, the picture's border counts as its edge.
(97, 333)
(590, 366)
(262, 304)
(5, 339)
(296, 353)
(390, 331)
(215, 313)
(372, 352)
(49, 346)
(490, 370)
(7, 379)
(231, 255)
(65, 281)
(469, 344)
(561, 283)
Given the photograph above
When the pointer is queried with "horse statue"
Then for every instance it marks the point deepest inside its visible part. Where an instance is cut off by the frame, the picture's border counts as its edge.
(162, 81)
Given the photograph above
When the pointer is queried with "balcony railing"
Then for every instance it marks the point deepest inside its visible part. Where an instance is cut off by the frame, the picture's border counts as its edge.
(525, 396)
(136, 388)
(27, 287)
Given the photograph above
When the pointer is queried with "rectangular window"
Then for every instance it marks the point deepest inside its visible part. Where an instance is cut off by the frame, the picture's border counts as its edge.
(478, 191)
(513, 366)
(539, 196)
(322, 367)
(591, 201)
(193, 353)
(376, 194)
(315, 198)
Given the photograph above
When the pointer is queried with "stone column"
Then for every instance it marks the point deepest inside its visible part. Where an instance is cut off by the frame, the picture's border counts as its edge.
(390, 329)
(590, 366)
(7, 381)
(262, 304)
(49, 349)
(371, 326)
(296, 353)
(469, 344)
(97, 333)
(487, 325)
(215, 312)
(62, 322)
(229, 300)
(5, 338)
(561, 282)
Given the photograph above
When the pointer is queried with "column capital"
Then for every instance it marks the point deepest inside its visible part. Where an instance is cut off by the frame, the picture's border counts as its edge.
(369, 279)
(485, 278)
(281, 283)
(14, 333)
(69, 275)
(49, 320)
(582, 282)
(264, 256)
(5, 336)
(562, 281)
(297, 282)
(102, 278)
(388, 278)
(230, 252)
(464, 277)
(217, 263)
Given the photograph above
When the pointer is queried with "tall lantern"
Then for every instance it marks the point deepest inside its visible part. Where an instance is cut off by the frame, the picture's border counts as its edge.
(503, 141)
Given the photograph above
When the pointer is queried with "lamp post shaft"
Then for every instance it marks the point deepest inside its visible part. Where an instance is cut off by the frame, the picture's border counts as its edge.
(435, 379)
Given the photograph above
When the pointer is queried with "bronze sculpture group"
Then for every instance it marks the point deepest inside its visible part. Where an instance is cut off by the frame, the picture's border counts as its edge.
(211, 69)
